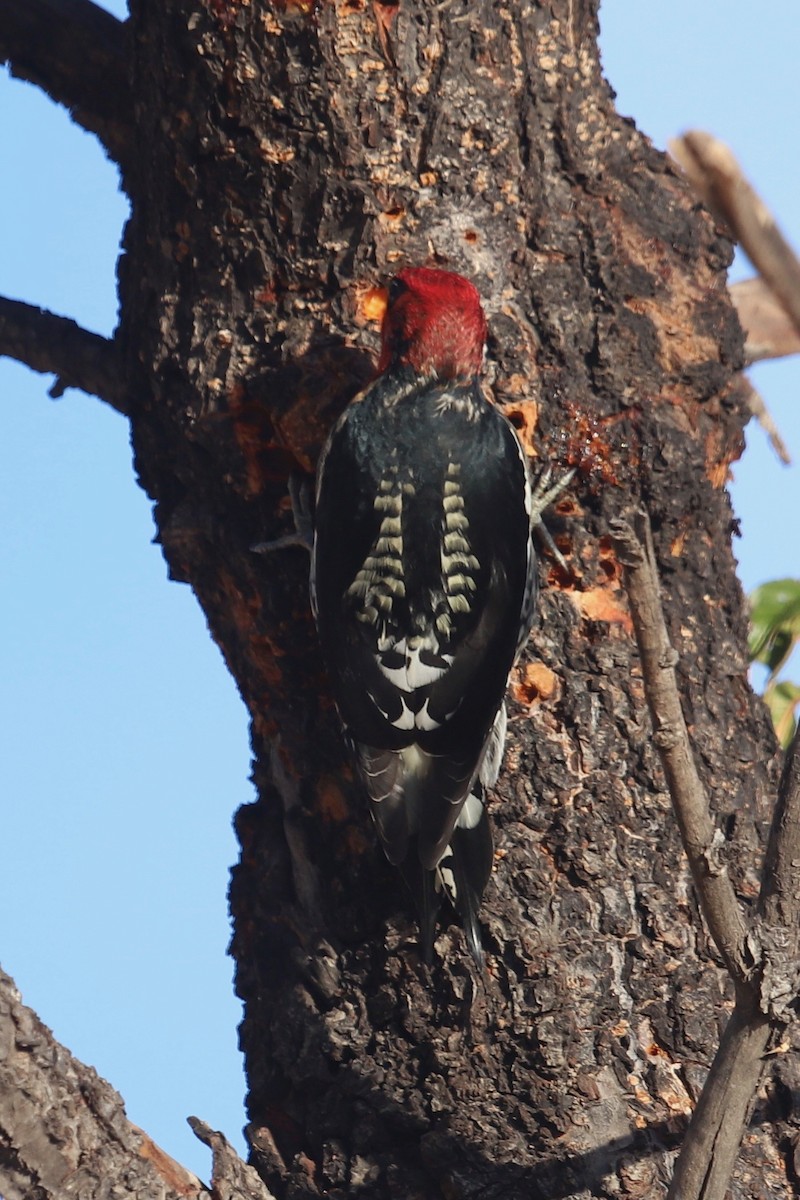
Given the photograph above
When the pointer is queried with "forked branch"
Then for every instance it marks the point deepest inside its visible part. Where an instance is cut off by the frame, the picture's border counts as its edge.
(77, 53)
(779, 901)
(762, 960)
(77, 357)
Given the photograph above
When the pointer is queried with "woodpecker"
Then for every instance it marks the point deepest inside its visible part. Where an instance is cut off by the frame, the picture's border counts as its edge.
(423, 588)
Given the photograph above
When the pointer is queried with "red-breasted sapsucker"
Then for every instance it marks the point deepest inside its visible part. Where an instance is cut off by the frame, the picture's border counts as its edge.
(423, 587)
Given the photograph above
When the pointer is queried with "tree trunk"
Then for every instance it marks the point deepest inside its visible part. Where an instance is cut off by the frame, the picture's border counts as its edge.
(285, 159)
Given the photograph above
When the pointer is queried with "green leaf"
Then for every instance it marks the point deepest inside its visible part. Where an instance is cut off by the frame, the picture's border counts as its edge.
(775, 622)
(782, 699)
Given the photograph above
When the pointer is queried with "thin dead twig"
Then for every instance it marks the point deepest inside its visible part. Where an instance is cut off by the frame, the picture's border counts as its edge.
(701, 839)
(754, 401)
(764, 967)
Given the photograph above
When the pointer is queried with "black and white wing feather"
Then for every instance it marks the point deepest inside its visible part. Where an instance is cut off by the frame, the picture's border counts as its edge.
(424, 589)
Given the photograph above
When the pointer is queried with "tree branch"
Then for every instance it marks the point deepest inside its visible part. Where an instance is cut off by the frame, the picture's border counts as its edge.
(64, 1129)
(709, 1151)
(779, 901)
(46, 342)
(702, 841)
(755, 402)
(717, 177)
(708, 1154)
(768, 329)
(764, 963)
(78, 54)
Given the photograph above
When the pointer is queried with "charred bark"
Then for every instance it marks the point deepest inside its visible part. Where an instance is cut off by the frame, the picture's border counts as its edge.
(78, 53)
(46, 342)
(305, 153)
(288, 158)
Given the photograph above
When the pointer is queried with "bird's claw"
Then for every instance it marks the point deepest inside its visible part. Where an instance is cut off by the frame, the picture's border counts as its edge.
(303, 532)
(543, 494)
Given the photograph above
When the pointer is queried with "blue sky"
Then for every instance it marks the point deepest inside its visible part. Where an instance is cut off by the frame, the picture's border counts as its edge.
(124, 749)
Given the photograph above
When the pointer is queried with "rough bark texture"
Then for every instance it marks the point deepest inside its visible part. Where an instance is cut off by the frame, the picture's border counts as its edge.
(289, 157)
(63, 1130)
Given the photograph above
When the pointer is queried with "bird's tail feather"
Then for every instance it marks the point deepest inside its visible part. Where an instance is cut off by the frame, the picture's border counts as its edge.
(441, 842)
(464, 872)
(428, 900)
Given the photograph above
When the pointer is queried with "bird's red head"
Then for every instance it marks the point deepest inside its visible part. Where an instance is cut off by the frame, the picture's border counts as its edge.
(434, 323)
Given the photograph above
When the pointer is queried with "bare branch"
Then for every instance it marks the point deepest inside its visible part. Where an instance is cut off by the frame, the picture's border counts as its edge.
(705, 1163)
(764, 968)
(704, 1166)
(78, 54)
(709, 1151)
(769, 333)
(718, 178)
(779, 902)
(701, 839)
(755, 402)
(230, 1176)
(63, 1129)
(46, 342)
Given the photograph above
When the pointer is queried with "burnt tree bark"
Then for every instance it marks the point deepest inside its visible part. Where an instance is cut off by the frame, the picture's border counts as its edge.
(282, 160)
